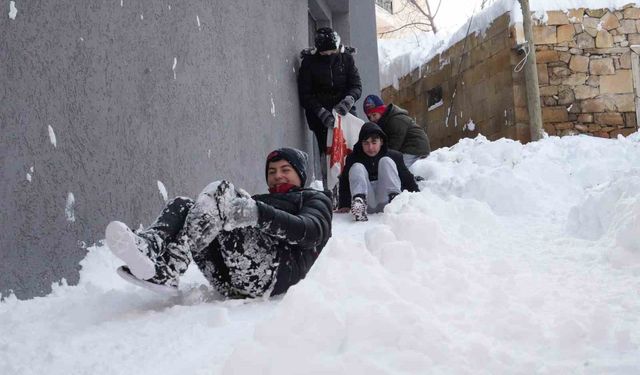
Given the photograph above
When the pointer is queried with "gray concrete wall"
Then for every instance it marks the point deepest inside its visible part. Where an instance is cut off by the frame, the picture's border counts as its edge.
(362, 25)
(357, 28)
(102, 76)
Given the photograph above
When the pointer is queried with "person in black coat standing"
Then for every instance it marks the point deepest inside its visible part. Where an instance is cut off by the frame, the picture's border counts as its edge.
(373, 174)
(328, 79)
(246, 246)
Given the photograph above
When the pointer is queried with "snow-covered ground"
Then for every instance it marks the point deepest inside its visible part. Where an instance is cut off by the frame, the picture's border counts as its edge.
(513, 259)
(398, 57)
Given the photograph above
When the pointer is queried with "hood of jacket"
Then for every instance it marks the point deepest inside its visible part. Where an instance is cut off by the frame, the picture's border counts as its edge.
(367, 130)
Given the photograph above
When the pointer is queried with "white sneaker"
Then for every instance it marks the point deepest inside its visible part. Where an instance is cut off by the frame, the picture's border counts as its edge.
(359, 208)
(132, 249)
(167, 288)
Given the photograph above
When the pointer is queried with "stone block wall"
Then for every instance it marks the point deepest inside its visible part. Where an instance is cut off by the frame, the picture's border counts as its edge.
(481, 66)
(587, 64)
(586, 72)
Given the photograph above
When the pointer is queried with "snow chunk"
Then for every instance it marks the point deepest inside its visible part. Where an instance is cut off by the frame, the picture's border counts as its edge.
(273, 106)
(30, 173)
(69, 208)
(435, 105)
(470, 126)
(175, 63)
(163, 191)
(52, 136)
(13, 11)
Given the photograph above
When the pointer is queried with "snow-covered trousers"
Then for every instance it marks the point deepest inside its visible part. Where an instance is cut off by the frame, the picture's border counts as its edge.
(188, 229)
(377, 192)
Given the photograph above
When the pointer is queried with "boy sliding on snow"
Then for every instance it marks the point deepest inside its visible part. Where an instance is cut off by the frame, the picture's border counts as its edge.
(245, 246)
(373, 175)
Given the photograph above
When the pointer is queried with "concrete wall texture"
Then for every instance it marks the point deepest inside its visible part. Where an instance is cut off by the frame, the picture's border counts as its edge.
(101, 100)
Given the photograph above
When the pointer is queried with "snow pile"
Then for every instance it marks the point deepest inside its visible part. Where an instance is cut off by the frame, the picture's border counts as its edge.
(398, 57)
(512, 259)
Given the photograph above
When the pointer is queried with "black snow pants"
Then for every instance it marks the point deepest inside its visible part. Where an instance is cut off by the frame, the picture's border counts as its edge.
(239, 263)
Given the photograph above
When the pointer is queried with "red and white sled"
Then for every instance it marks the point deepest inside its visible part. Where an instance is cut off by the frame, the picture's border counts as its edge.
(340, 142)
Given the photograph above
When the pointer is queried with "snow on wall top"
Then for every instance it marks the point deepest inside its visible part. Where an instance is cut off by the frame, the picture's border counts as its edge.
(398, 57)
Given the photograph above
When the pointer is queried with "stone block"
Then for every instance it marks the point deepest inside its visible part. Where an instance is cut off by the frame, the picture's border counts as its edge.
(575, 15)
(575, 79)
(619, 39)
(604, 39)
(576, 51)
(564, 125)
(593, 81)
(625, 60)
(622, 102)
(624, 43)
(627, 27)
(601, 66)
(597, 13)
(556, 17)
(582, 128)
(549, 101)
(631, 13)
(593, 105)
(564, 57)
(546, 56)
(584, 40)
(579, 63)
(544, 35)
(565, 33)
(555, 114)
(609, 21)
(601, 134)
(585, 118)
(585, 92)
(609, 118)
(591, 25)
(630, 120)
(625, 132)
(550, 129)
(618, 83)
(546, 90)
(574, 108)
(566, 96)
(633, 39)
(559, 71)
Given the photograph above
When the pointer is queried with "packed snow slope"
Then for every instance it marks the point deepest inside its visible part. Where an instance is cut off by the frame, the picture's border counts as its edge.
(512, 260)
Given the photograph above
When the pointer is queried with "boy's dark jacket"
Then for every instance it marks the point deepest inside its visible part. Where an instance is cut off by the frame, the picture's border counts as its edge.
(403, 132)
(324, 80)
(299, 223)
(407, 180)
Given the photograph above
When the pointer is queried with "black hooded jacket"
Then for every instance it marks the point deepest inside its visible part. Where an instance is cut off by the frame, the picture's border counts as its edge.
(295, 224)
(407, 180)
(324, 80)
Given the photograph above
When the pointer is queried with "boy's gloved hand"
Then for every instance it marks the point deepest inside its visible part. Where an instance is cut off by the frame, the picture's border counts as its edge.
(243, 212)
(345, 105)
(326, 117)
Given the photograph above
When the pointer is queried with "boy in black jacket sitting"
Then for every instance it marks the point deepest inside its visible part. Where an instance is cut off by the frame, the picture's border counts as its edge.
(373, 174)
(245, 246)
